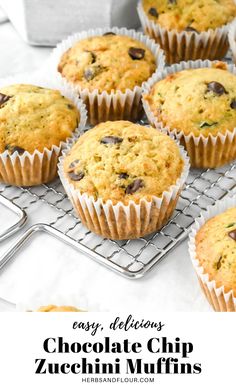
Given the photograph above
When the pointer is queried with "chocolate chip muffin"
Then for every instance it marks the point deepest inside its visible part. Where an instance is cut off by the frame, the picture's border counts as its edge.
(34, 121)
(188, 29)
(198, 105)
(216, 249)
(54, 308)
(34, 118)
(190, 15)
(107, 63)
(107, 68)
(118, 165)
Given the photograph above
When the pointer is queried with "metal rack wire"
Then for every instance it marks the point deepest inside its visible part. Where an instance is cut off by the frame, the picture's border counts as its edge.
(131, 258)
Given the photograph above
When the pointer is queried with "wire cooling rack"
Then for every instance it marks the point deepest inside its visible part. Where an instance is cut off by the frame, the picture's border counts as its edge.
(131, 258)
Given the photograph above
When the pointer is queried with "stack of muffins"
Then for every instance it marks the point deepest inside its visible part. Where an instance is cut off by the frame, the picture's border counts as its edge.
(122, 178)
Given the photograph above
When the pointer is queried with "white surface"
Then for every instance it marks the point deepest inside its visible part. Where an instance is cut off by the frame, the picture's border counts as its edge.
(48, 21)
(49, 269)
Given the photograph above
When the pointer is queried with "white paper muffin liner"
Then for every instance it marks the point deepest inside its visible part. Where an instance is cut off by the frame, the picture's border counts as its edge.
(232, 39)
(178, 46)
(39, 167)
(80, 301)
(116, 105)
(120, 221)
(217, 296)
(204, 152)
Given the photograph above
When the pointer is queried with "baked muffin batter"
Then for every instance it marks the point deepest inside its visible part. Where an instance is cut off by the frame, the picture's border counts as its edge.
(190, 15)
(54, 308)
(33, 118)
(107, 63)
(216, 249)
(198, 101)
(123, 161)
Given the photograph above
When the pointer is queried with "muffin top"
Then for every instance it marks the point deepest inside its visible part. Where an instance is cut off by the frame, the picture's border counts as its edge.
(107, 63)
(33, 118)
(190, 15)
(123, 161)
(54, 308)
(216, 249)
(198, 101)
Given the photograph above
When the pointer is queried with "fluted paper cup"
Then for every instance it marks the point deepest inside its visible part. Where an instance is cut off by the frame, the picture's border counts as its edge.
(116, 105)
(220, 299)
(204, 152)
(186, 45)
(232, 39)
(120, 221)
(39, 167)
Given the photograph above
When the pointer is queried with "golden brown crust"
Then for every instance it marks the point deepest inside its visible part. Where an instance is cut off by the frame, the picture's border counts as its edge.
(216, 249)
(33, 118)
(107, 63)
(200, 15)
(198, 101)
(121, 161)
(54, 308)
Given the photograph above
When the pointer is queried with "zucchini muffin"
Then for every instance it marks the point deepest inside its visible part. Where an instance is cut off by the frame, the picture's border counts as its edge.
(195, 105)
(205, 20)
(190, 15)
(107, 69)
(216, 249)
(32, 118)
(54, 308)
(213, 251)
(118, 165)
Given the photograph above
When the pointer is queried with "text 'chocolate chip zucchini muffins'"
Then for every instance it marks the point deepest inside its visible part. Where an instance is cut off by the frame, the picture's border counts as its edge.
(124, 179)
(196, 102)
(34, 123)
(212, 248)
(107, 68)
(188, 29)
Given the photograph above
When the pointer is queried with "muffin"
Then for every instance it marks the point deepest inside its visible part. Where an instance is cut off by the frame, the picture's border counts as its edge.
(34, 121)
(107, 69)
(213, 251)
(188, 29)
(124, 179)
(198, 106)
(54, 308)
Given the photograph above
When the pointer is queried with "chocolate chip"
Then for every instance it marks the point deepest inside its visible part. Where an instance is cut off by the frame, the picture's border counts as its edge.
(232, 234)
(217, 88)
(91, 72)
(172, 1)
(76, 177)
(218, 265)
(70, 106)
(190, 29)
(123, 175)
(73, 164)
(233, 104)
(4, 98)
(109, 33)
(13, 149)
(134, 186)
(153, 12)
(111, 140)
(136, 53)
(93, 56)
